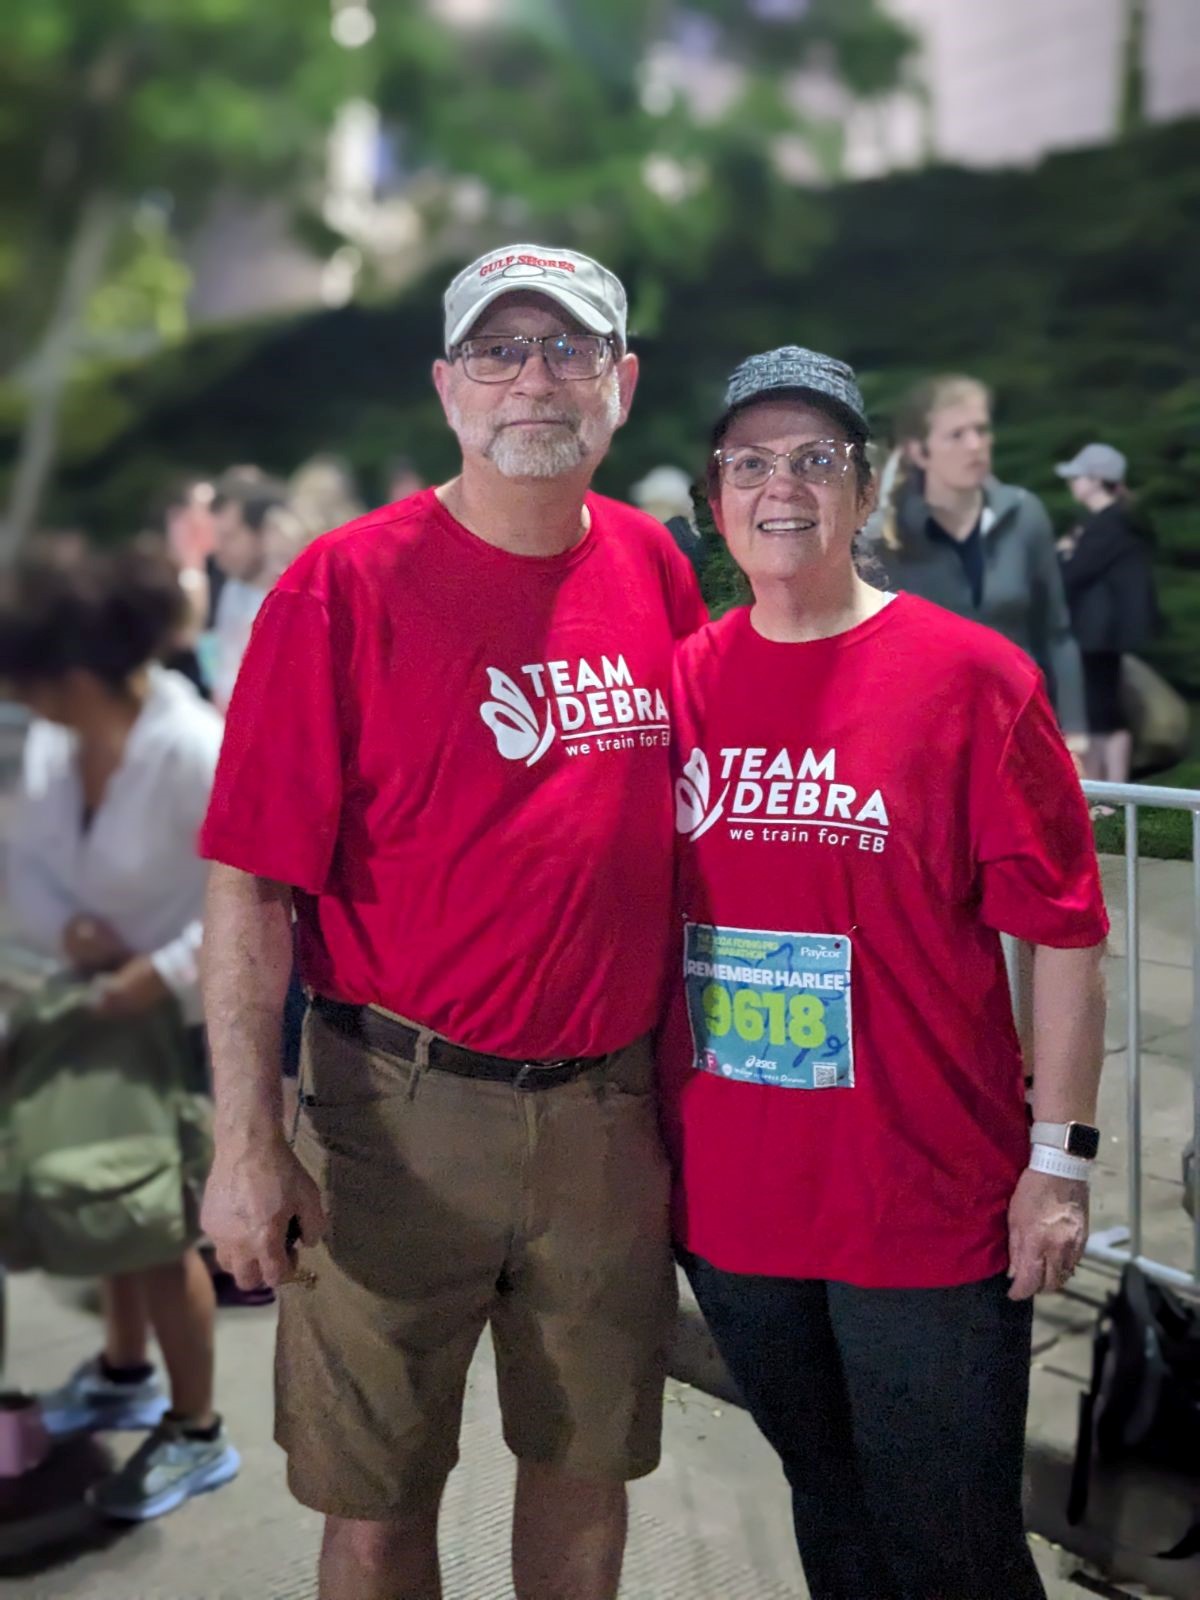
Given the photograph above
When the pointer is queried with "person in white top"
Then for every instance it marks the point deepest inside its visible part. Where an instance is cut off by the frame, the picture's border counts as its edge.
(103, 874)
(248, 517)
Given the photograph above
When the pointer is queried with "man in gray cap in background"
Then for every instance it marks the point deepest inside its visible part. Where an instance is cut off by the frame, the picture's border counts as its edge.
(1102, 463)
(447, 753)
(1108, 579)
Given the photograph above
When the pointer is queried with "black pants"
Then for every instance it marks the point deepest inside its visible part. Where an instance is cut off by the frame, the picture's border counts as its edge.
(1102, 692)
(899, 1416)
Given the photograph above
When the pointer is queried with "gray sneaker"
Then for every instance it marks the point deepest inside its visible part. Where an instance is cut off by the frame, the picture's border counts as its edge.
(164, 1472)
(90, 1402)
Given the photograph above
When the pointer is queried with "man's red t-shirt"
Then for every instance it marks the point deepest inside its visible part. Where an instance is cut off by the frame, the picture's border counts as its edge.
(859, 816)
(460, 759)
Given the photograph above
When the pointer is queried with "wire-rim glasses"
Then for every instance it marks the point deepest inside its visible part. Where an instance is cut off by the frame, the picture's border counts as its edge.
(498, 358)
(817, 461)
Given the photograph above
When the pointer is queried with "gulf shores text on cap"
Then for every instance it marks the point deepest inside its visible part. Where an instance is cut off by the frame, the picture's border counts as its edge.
(526, 261)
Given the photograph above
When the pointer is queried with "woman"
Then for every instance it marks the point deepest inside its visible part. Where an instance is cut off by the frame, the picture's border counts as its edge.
(870, 790)
(952, 533)
(1110, 591)
(103, 874)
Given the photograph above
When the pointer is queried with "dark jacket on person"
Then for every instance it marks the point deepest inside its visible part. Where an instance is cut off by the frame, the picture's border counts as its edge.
(1022, 590)
(1110, 583)
(687, 537)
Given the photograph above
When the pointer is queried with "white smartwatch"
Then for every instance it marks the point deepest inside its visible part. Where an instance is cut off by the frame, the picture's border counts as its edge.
(1072, 1138)
(1064, 1149)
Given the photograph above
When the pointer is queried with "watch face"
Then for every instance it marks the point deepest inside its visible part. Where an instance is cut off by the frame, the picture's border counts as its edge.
(1083, 1141)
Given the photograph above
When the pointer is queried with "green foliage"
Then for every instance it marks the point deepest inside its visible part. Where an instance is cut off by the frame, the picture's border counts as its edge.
(559, 126)
(1164, 834)
(1131, 117)
(142, 302)
(131, 97)
(1070, 289)
(104, 104)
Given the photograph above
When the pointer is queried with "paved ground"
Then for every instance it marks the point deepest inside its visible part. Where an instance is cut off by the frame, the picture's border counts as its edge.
(712, 1524)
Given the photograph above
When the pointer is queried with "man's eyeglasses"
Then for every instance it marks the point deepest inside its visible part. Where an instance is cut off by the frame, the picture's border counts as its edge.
(569, 356)
(820, 461)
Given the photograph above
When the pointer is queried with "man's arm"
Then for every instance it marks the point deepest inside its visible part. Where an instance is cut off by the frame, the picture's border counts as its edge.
(247, 965)
(1048, 1217)
(256, 1185)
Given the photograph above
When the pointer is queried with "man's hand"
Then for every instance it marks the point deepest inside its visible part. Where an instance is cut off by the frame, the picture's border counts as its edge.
(1047, 1230)
(92, 945)
(251, 1196)
(131, 991)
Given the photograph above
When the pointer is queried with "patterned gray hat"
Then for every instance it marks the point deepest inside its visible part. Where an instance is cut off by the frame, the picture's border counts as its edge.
(792, 367)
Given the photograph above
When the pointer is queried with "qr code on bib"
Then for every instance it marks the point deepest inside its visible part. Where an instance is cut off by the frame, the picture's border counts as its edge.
(825, 1075)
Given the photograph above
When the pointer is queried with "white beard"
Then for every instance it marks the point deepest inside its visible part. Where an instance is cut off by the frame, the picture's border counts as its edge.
(521, 453)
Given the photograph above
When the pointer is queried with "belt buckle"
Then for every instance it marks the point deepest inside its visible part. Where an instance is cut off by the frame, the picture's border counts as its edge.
(533, 1069)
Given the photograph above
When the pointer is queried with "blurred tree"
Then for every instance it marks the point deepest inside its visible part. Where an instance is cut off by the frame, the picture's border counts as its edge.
(105, 101)
(637, 128)
(141, 303)
(1131, 113)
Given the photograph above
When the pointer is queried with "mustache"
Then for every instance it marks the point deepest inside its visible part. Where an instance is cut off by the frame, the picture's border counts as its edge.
(532, 412)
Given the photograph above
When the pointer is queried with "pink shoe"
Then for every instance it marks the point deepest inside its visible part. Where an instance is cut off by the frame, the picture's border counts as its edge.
(24, 1443)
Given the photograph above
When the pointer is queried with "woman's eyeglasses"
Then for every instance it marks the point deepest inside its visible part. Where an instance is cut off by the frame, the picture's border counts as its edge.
(820, 461)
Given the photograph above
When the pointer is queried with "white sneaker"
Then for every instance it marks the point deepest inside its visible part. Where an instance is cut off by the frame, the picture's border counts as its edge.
(91, 1402)
(163, 1472)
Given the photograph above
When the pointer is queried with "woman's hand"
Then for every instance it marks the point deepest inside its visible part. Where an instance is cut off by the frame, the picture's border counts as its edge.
(131, 991)
(1047, 1232)
(92, 945)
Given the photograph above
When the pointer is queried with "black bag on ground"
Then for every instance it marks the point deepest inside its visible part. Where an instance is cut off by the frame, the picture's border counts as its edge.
(1144, 1399)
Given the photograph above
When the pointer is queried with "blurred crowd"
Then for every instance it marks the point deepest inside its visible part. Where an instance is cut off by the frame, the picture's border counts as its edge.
(233, 536)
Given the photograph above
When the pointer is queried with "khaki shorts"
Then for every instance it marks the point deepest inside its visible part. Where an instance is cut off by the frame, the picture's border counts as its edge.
(455, 1203)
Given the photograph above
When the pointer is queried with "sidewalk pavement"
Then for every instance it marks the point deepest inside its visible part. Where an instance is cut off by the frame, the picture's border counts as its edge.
(712, 1524)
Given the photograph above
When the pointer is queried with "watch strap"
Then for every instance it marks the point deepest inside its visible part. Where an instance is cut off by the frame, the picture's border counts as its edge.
(1042, 1158)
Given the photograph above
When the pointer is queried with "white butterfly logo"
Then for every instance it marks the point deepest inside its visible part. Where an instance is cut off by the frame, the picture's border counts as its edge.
(511, 718)
(693, 789)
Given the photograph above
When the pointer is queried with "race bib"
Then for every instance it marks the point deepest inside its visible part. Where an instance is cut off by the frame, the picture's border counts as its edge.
(770, 1007)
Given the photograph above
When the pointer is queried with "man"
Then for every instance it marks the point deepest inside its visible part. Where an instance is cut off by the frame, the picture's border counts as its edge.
(187, 520)
(245, 510)
(448, 751)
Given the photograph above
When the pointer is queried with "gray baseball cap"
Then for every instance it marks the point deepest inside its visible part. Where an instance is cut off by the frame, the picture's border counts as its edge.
(592, 294)
(792, 367)
(1096, 461)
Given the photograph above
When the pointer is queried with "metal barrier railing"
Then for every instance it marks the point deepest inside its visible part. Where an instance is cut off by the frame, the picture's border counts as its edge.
(1116, 1246)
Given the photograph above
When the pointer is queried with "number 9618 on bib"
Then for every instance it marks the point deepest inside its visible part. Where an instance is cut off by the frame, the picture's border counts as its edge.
(770, 1008)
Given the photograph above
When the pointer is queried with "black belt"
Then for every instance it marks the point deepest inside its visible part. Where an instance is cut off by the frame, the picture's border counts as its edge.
(399, 1039)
